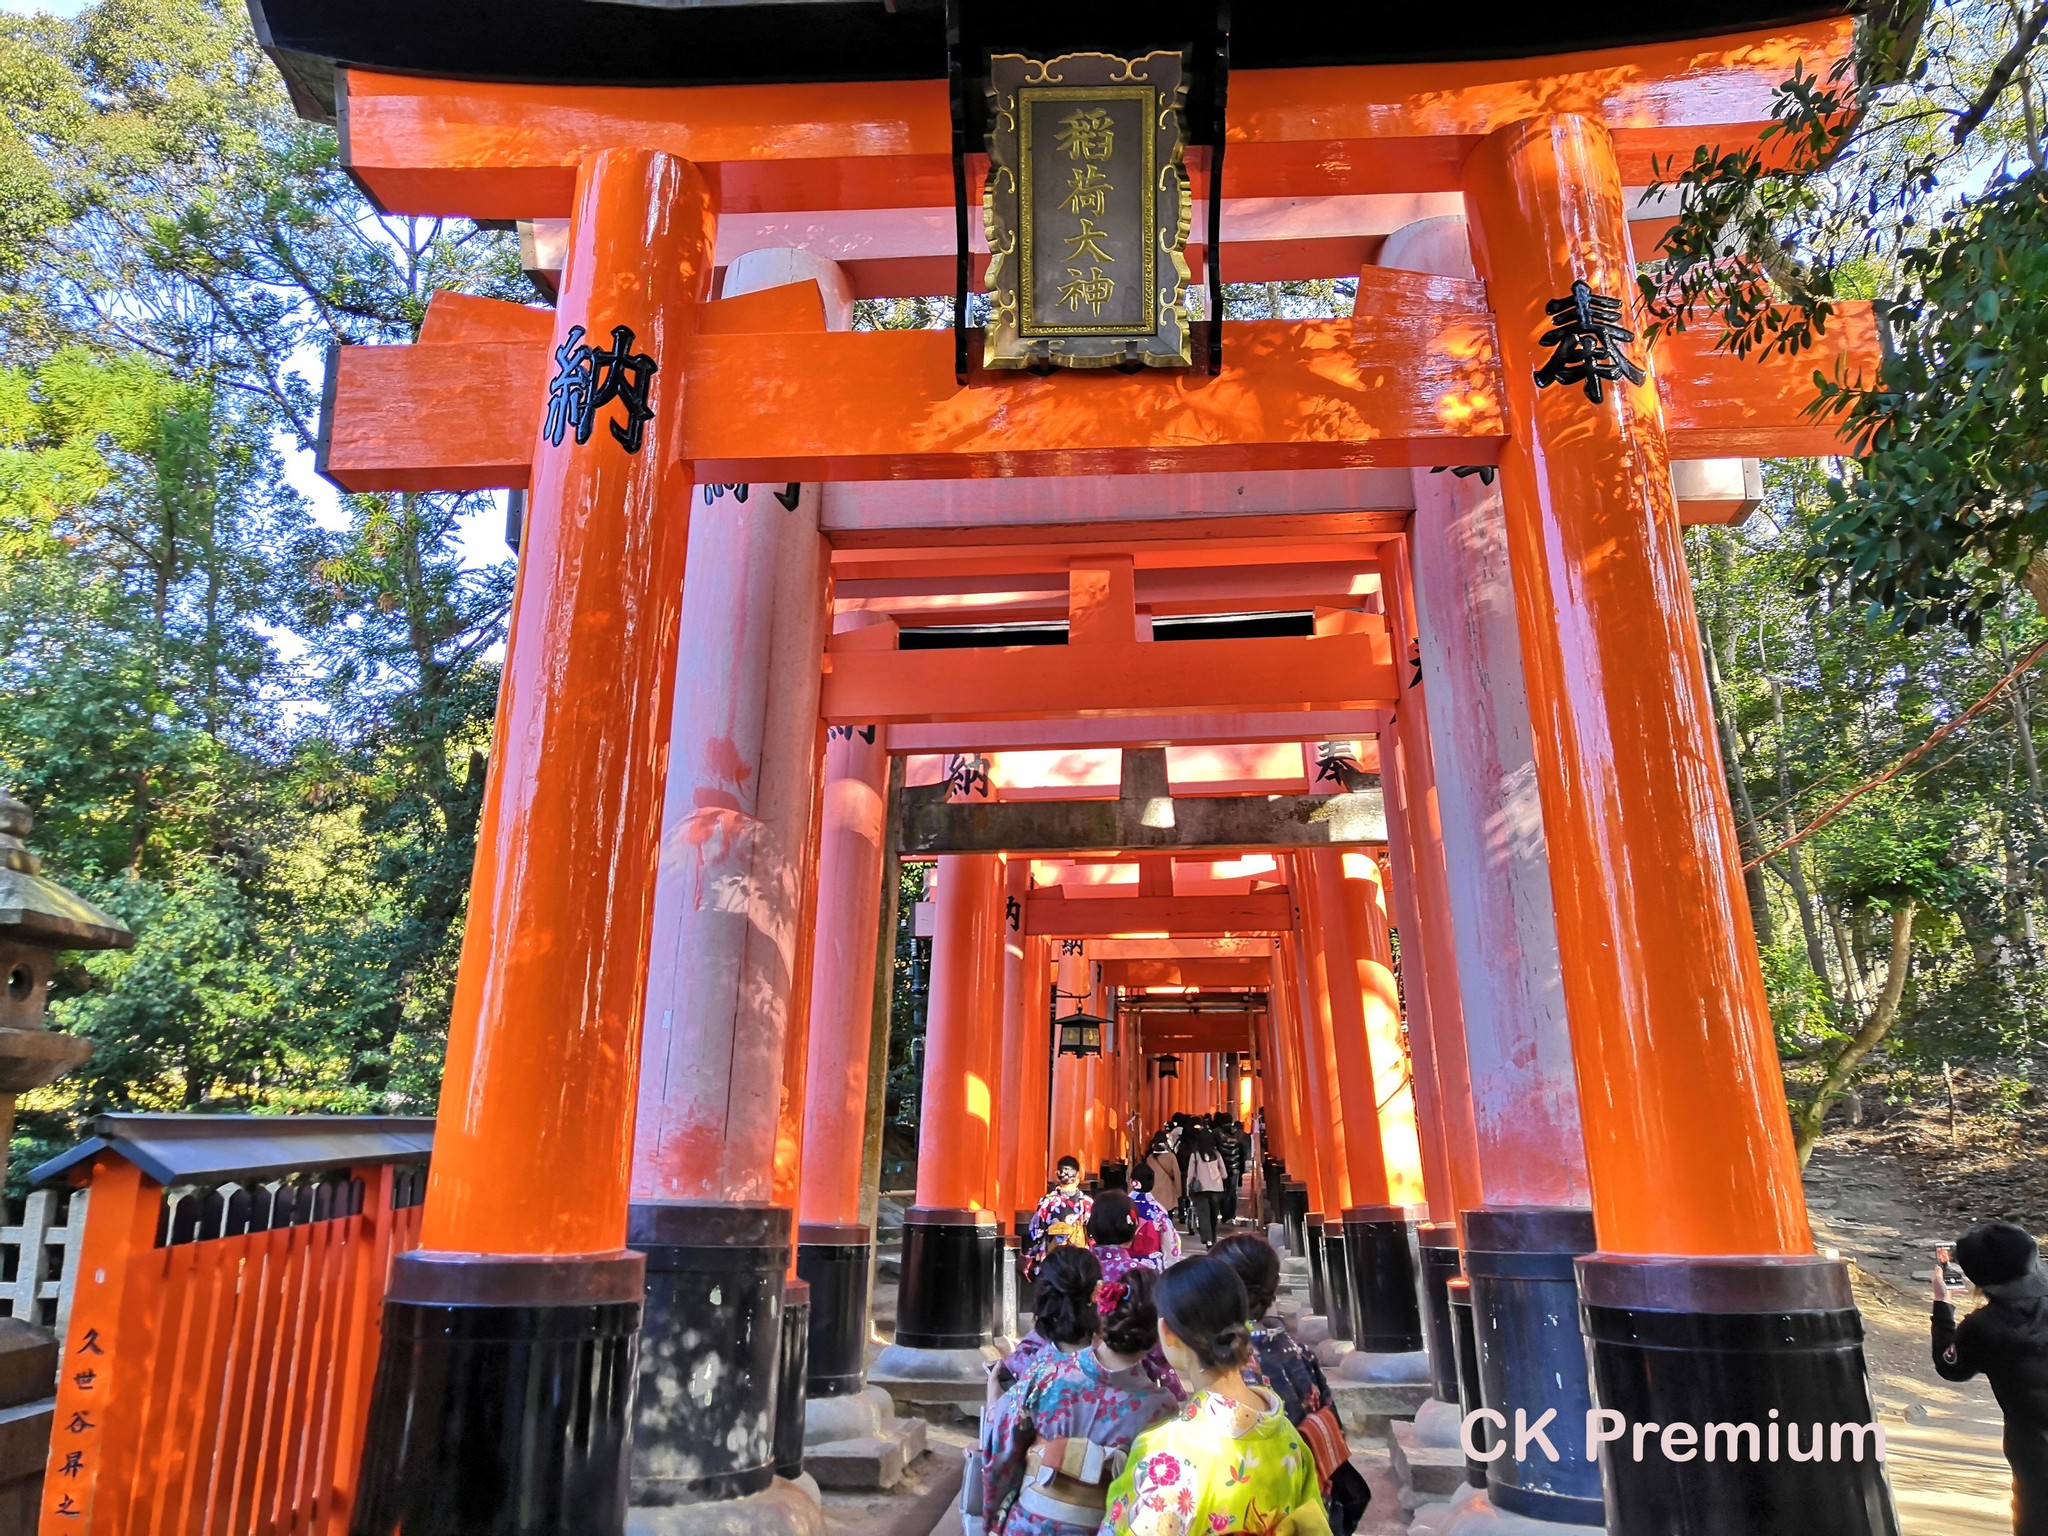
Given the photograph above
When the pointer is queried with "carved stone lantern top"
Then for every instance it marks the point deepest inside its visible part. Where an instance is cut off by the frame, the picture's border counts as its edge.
(37, 917)
(35, 909)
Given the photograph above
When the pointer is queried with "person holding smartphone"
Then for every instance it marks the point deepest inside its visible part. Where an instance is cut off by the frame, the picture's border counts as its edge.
(2006, 1342)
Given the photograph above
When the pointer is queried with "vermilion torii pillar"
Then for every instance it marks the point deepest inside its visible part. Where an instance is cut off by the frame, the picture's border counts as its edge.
(1705, 1303)
(1325, 1173)
(1032, 1153)
(727, 973)
(1355, 1166)
(509, 1339)
(1022, 1037)
(1370, 1255)
(1520, 1246)
(1443, 1106)
(835, 1246)
(944, 1303)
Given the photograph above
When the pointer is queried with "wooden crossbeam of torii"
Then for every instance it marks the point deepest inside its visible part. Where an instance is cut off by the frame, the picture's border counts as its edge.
(1412, 379)
(1144, 816)
(1107, 917)
(1189, 971)
(496, 151)
(1189, 1033)
(1106, 669)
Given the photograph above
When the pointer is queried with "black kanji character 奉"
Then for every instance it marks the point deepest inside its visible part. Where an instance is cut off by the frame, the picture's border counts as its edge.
(589, 378)
(1332, 763)
(1587, 337)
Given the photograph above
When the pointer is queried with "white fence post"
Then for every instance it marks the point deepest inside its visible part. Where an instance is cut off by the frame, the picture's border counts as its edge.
(45, 1269)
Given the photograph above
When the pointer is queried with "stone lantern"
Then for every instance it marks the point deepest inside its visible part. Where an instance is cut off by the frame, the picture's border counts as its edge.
(38, 917)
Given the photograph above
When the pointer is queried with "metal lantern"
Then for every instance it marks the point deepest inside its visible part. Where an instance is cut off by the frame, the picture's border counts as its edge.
(1169, 1066)
(1080, 1034)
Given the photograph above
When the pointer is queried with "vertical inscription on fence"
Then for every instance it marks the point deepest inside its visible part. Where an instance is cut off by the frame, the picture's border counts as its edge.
(1087, 208)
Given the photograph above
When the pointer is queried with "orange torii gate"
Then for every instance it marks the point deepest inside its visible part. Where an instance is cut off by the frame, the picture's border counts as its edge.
(685, 827)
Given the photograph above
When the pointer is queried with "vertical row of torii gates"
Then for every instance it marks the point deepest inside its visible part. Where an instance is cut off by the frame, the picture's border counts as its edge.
(767, 561)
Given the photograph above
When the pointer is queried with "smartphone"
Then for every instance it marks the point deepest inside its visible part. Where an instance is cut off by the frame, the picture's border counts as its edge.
(1951, 1274)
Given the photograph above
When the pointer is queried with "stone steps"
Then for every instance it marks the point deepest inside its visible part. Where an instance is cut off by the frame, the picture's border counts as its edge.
(1425, 1471)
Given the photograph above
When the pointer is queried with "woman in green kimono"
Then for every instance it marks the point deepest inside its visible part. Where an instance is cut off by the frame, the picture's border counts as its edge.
(1229, 1461)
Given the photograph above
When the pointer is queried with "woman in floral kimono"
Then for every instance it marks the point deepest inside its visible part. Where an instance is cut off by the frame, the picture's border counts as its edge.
(1158, 1215)
(1052, 1444)
(1229, 1461)
(1061, 1217)
(1112, 1232)
(1284, 1363)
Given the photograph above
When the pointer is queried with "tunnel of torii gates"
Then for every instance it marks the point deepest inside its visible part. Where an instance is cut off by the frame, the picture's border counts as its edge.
(1193, 684)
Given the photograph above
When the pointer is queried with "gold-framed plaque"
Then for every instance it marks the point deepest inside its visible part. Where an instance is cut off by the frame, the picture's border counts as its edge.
(1087, 209)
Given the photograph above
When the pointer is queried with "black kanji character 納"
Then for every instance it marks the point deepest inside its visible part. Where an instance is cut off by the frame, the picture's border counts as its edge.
(968, 776)
(1587, 338)
(589, 378)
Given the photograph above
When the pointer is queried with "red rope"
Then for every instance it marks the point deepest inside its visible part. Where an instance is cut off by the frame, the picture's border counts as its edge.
(1903, 763)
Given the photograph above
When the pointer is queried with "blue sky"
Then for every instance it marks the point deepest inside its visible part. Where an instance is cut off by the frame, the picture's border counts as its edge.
(60, 7)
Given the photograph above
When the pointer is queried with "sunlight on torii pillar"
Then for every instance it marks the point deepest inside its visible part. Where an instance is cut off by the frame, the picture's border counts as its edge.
(834, 1246)
(947, 1303)
(720, 1089)
(544, 1040)
(1520, 1247)
(1442, 1100)
(1705, 1250)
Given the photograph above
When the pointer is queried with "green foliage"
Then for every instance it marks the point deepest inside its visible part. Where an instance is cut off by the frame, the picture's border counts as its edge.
(1821, 699)
(256, 733)
(1953, 493)
(1915, 174)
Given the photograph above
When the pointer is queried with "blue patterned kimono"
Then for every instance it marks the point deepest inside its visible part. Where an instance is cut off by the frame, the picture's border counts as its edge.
(1069, 1397)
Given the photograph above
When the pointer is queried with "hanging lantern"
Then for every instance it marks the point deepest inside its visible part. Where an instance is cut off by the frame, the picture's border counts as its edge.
(1169, 1066)
(1080, 1034)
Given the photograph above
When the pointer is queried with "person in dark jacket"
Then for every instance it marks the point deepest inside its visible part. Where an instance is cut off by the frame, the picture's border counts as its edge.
(2006, 1342)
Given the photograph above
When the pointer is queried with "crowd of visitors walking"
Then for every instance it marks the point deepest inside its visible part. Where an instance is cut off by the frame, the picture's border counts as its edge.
(1155, 1394)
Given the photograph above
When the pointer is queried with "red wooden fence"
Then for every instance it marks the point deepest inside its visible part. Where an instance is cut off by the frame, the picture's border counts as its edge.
(217, 1367)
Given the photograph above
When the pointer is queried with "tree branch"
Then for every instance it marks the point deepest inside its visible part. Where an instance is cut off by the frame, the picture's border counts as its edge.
(2002, 73)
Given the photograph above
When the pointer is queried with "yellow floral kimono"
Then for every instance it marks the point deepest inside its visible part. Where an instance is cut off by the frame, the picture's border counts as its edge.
(1218, 1468)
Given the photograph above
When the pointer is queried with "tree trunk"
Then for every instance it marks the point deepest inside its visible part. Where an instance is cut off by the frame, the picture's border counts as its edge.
(2020, 701)
(1854, 991)
(1745, 808)
(1807, 1123)
(1795, 865)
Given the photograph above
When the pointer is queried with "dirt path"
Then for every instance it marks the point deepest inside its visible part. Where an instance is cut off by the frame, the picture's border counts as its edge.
(1947, 1473)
